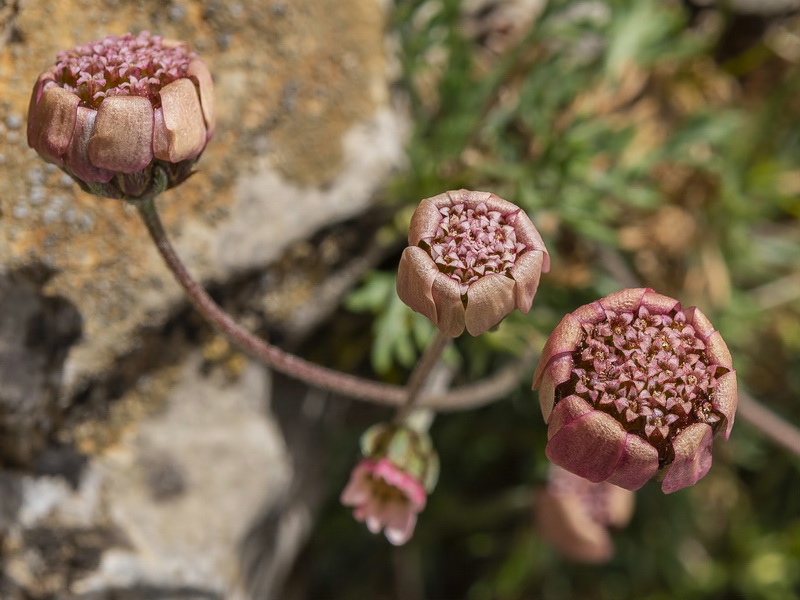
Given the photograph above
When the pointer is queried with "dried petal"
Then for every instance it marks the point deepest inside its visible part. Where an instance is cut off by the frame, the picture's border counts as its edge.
(77, 155)
(590, 446)
(183, 119)
(489, 300)
(54, 121)
(415, 275)
(526, 273)
(692, 460)
(123, 134)
(198, 71)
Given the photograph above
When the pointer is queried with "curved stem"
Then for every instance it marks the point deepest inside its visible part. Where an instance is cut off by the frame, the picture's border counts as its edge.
(469, 396)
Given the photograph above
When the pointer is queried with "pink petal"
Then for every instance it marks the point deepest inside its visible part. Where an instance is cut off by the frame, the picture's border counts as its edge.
(468, 197)
(44, 81)
(567, 410)
(566, 338)
(625, 300)
(400, 522)
(199, 72)
(489, 300)
(415, 276)
(692, 448)
(424, 222)
(183, 120)
(717, 351)
(699, 321)
(526, 273)
(725, 398)
(410, 487)
(53, 123)
(590, 313)
(659, 304)
(529, 235)
(77, 157)
(638, 464)
(558, 371)
(123, 135)
(590, 446)
(450, 311)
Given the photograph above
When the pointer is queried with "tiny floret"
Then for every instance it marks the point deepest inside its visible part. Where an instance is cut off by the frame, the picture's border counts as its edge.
(634, 387)
(126, 116)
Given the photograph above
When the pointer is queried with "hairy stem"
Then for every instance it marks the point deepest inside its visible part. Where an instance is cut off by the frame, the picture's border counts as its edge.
(477, 394)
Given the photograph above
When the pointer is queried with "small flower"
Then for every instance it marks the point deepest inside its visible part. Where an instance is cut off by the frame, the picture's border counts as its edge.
(633, 387)
(125, 116)
(575, 514)
(389, 486)
(472, 259)
(383, 496)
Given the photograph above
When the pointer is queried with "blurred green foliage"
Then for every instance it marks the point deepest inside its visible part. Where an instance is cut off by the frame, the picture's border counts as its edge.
(643, 153)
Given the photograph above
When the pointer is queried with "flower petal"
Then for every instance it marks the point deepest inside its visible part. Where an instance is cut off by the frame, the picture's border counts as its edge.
(424, 222)
(725, 399)
(658, 303)
(526, 273)
(198, 71)
(450, 312)
(566, 338)
(590, 446)
(692, 461)
(558, 371)
(415, 276)
(123, 134)
(699, 321)
(567, 410)
(53, 123)
(625, 300)
(183, 120)
(77, 156)
(590, 313)
(638, 464)
(489, 300)
(717, 351)
(45, 80)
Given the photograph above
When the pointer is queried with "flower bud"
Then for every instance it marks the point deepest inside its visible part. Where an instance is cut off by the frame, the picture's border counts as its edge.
(389, 486)
(575, 514)
(126, 117)
(633, 387)
(472, 259)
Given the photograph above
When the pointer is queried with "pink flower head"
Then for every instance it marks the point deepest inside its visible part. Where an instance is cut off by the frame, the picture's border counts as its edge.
(125, 116)
(385, 497)
(575, 514)
(634, 387)
(472, 259)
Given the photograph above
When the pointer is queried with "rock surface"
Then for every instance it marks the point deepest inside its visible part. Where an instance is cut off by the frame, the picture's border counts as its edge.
(131, 470)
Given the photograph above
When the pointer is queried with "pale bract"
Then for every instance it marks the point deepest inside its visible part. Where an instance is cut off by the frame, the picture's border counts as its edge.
(633, 387)
(472, 259)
